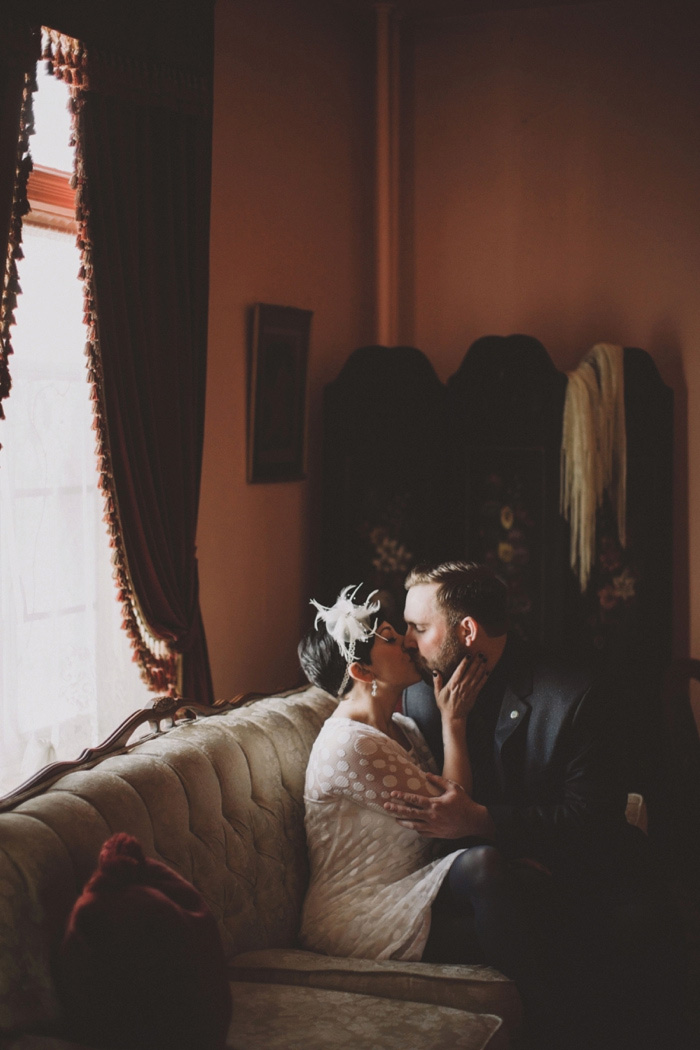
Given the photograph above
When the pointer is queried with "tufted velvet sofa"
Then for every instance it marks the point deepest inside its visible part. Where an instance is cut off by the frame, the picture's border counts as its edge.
(219, 798)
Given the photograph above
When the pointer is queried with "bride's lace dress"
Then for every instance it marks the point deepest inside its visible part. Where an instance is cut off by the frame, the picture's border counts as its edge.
(372, 881)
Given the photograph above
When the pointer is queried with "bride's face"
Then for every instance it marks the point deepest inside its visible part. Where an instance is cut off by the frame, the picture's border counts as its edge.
(391, 662)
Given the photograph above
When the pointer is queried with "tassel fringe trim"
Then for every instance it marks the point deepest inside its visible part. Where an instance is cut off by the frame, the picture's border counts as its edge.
(160, 665)
(137, 81)
(593, 452)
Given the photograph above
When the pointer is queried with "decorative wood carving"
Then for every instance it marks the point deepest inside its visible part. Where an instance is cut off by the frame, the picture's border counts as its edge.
(166, 712)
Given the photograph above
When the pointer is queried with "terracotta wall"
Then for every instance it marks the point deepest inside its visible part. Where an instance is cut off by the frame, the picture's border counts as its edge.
(552, 165)
(292, 225)
(551, 178)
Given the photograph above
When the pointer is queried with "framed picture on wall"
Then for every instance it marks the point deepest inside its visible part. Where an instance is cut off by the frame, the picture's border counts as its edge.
(279, 347)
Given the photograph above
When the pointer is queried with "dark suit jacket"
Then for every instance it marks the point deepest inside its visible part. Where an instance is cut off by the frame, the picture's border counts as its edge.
(559, 797)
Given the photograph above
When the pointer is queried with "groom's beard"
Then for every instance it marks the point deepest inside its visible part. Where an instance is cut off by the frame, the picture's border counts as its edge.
(446, 661)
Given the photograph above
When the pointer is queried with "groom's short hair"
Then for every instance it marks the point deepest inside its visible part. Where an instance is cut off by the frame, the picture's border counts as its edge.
(467, 589)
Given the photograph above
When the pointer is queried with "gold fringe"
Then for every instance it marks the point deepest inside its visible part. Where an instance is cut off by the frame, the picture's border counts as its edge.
(593, 451)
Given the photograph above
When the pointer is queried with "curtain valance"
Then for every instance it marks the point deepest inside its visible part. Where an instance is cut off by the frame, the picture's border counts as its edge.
(127, 78)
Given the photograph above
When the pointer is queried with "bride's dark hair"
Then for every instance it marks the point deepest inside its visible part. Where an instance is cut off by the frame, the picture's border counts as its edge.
(322, 661)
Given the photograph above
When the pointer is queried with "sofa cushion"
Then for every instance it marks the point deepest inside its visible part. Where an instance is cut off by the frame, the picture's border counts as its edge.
(473, 988)
(141, 964)
(283, 1017)
(279, 1017)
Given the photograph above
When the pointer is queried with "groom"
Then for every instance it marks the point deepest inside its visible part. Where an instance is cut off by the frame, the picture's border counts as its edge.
(545, 752)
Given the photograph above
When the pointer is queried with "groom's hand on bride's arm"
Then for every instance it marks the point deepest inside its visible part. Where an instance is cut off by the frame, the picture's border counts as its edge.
(450, 815)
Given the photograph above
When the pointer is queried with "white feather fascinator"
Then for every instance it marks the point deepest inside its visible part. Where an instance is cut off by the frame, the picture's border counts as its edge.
(346, 622)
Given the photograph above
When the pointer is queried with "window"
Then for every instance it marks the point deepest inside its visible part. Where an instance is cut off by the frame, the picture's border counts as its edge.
(67, 677)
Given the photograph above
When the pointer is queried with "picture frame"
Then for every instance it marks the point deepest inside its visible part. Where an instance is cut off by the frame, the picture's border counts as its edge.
(279, 348)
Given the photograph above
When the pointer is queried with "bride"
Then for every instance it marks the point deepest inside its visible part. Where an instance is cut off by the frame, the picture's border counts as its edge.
(374, 882)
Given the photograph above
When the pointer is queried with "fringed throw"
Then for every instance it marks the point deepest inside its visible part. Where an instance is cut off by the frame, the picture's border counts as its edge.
(593, 451)
(66, 59)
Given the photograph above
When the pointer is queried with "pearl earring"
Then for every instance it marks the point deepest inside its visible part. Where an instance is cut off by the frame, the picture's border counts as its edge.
(373, 690)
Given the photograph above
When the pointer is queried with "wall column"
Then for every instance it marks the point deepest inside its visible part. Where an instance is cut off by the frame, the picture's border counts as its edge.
(387, 173)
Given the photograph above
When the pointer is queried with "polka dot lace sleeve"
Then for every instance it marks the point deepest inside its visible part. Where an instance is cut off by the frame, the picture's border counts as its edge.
(359, 762)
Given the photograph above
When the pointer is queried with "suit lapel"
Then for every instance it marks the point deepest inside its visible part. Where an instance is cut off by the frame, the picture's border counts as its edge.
(513, 711)
(514, 706)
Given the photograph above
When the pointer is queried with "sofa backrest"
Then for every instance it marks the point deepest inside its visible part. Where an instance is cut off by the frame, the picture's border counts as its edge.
(219, 799)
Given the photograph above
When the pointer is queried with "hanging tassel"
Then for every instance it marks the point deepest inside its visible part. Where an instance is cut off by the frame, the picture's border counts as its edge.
(593, 451)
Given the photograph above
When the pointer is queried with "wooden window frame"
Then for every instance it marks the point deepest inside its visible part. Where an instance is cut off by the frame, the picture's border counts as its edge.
(51, 200)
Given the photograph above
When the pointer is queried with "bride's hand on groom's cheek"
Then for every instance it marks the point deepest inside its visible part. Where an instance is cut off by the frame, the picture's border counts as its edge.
(456, 697)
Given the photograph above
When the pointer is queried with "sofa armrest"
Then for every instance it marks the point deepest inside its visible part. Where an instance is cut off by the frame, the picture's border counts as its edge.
(636, 811)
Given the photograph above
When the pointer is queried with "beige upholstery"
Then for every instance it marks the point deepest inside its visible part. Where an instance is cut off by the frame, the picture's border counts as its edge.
(636, 812)
(279, 1017)
(476, 988)
(220, 800)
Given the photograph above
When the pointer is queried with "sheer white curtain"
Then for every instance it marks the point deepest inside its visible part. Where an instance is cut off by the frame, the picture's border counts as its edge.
(66, 672)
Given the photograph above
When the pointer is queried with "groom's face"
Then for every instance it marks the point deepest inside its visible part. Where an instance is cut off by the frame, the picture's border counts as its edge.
(429, 634)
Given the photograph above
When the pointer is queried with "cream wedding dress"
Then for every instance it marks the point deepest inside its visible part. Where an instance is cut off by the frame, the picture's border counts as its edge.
(372, 881)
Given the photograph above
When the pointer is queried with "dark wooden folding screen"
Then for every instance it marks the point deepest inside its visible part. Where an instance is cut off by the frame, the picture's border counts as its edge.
(417, 470)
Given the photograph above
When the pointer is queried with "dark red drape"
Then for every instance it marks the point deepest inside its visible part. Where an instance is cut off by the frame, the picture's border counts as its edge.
(143, 172)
